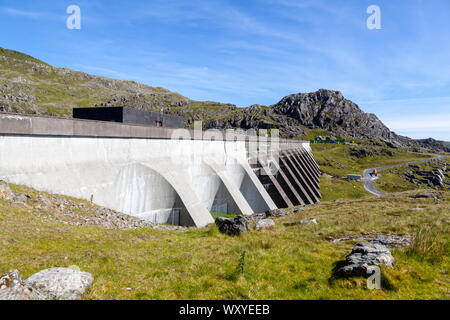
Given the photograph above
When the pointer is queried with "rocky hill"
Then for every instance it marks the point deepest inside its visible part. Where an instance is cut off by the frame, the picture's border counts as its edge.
(31, 86)
(329, 110)
(434, 145)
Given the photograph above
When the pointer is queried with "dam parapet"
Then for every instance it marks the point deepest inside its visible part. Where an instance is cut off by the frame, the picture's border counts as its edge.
(161, 174)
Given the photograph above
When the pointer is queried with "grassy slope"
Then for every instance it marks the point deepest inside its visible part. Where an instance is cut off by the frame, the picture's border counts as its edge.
(282, 263)
(55, 91)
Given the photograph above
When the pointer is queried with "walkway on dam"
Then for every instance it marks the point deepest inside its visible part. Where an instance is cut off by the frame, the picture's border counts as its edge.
(368, 180)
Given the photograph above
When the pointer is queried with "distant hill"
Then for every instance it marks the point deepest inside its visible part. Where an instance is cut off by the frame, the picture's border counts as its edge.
(435, 145)
(31, 86)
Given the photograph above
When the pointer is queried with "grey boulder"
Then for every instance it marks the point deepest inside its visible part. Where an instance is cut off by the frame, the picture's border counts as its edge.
(12, 287)
(264, 224)
(232, 227)
(364, 256)
(61, 283)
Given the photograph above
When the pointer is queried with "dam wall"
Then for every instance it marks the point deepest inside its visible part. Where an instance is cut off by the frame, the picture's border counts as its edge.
(163, 175)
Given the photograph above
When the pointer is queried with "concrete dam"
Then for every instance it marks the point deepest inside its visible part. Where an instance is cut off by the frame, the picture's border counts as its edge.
(164, 175)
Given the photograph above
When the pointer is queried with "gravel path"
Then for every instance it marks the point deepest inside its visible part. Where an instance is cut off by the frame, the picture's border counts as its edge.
(368, 181)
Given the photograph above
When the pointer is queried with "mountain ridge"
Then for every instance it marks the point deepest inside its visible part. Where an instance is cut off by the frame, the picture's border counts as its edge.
(31, 86)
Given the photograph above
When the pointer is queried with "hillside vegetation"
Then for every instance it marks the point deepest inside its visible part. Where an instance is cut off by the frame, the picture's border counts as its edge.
(30, 86)
(286, 262)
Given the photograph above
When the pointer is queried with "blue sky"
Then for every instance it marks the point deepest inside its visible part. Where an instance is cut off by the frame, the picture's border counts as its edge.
(256, 51)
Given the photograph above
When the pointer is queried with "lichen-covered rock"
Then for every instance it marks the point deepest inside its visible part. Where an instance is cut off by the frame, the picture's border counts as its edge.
(363, 256)
(264, 224)
(276, 213)
(61, 283)
(12, 287)
(5, 192)
(232, 227)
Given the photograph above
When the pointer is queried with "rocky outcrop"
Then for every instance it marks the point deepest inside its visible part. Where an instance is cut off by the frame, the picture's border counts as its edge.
(232, 227)
(50, 284)
(362, 257)
(329, 110)
(436, 177)
(390, 241)
(257, 117)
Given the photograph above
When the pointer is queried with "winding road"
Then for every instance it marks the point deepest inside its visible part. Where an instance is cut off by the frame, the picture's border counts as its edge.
(369, 184)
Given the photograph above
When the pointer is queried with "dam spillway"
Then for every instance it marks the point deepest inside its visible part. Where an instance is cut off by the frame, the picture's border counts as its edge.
(162, 175)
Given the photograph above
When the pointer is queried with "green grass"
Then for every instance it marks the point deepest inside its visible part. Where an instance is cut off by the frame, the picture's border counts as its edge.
(294, 262)
(19, 56)
(224, 215)
(334, 189)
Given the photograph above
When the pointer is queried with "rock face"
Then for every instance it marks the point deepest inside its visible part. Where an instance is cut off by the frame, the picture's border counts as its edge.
(12, 287)
(264, 224)
(232, 227)
(257, 117)
(436, 177)
(329, 110)
(363, 256)
(61, 283)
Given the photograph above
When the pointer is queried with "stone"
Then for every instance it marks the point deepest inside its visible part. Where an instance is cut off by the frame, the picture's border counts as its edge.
(392, 241)
(264, 224)
(5, 192)
(232, 227)
(21, 198)
(61, 283)
(363, 256)
(276, 213)
(12, 287)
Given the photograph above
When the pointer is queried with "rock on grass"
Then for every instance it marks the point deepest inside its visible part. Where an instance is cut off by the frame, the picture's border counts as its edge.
(233, 227)
(363, 256)
(61, 283)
